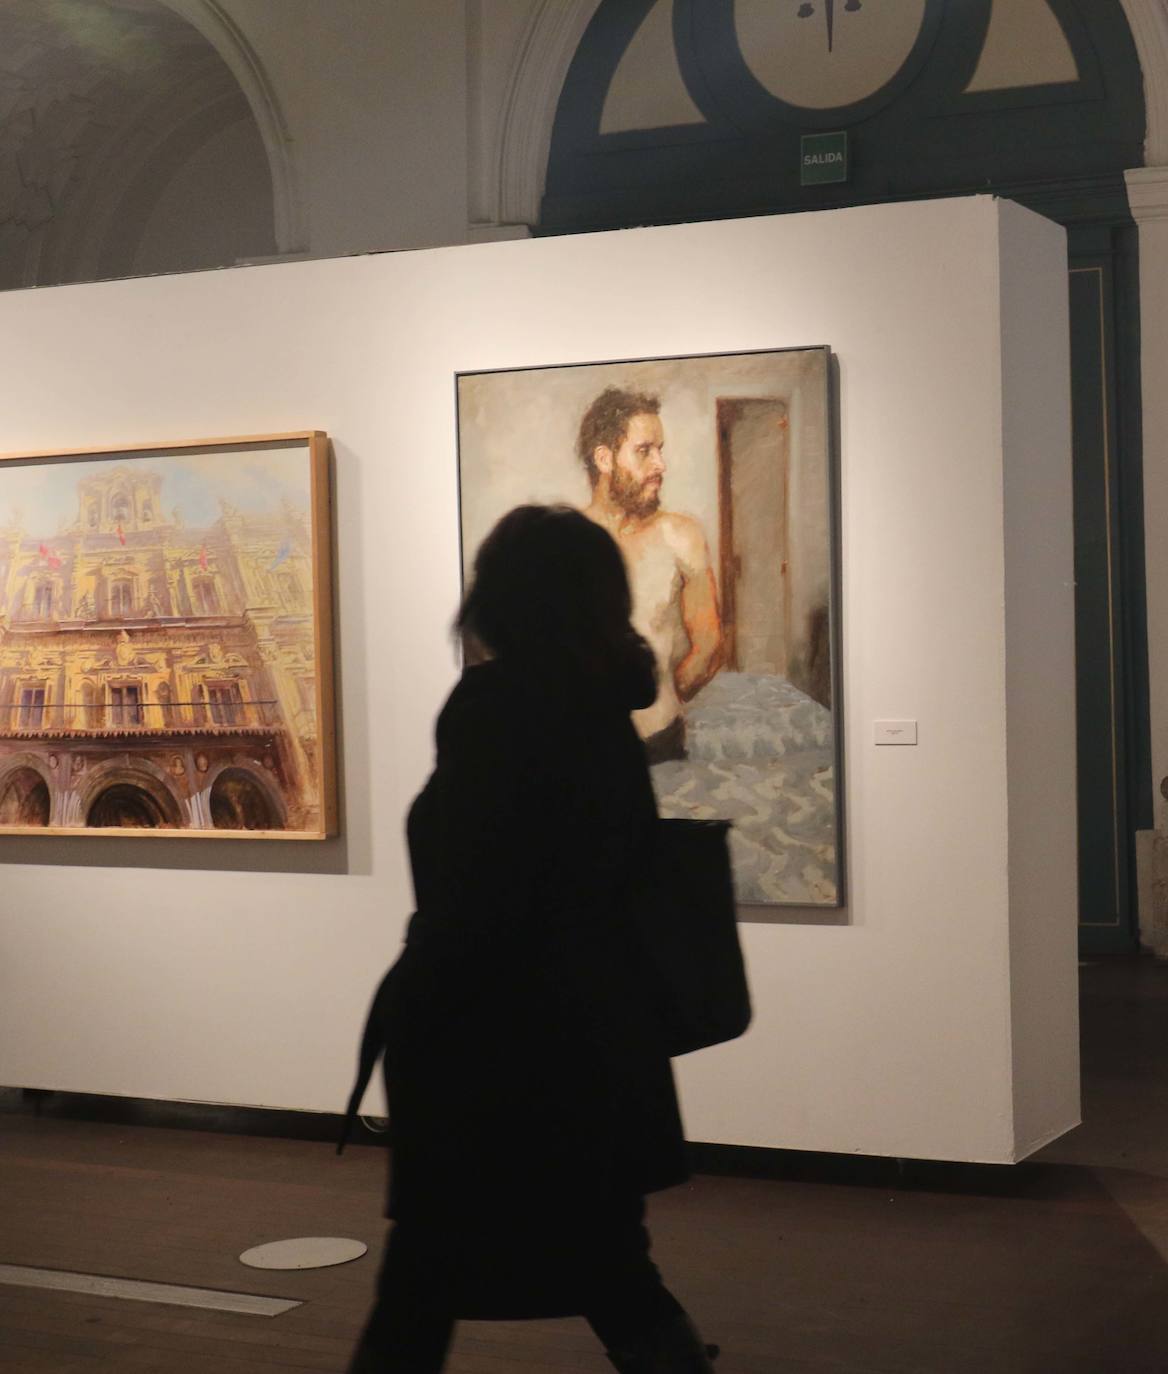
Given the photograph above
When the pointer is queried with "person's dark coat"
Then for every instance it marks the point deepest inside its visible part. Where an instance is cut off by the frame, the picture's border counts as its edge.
(530, 1097)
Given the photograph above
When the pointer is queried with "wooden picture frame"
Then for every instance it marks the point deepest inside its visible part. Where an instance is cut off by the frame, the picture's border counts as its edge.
(166, 640)
(728, 521)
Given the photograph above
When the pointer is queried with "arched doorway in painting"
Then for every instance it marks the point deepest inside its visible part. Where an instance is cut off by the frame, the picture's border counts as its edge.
(24, 798)
(238, 802)
(127, 807)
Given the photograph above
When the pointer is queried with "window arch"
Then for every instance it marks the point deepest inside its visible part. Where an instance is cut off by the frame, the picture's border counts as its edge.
(24, 798)
(225, 703)
(126, 703)
(240, 802)
(33, 699)
(131, 805)
(207, 596)
(121, 599)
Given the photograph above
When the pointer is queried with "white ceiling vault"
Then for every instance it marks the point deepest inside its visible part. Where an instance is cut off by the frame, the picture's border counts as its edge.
(103, 108)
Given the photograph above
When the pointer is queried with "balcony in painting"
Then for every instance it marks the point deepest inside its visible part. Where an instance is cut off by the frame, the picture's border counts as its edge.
(127, 718)
(30, 620)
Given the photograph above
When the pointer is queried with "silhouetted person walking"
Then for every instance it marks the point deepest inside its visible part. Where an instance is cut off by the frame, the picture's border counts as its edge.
(531, 1101)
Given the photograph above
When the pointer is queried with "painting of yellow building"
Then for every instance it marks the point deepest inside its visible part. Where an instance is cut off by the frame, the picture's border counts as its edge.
(162, 662)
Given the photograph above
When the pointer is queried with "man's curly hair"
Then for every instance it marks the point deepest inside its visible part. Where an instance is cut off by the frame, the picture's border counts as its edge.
(606, 422)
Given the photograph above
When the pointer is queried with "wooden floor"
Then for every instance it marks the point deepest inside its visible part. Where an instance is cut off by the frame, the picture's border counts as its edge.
(1055, 1267)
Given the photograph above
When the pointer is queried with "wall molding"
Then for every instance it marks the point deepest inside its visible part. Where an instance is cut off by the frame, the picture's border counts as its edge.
(1147, 193)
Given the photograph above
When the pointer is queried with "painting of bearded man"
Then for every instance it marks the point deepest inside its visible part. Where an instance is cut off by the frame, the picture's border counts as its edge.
(675, 595)
(713, 476)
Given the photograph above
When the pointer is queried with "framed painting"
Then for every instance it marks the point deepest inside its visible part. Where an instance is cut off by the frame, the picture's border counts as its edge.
(166, 640)
(715, 475)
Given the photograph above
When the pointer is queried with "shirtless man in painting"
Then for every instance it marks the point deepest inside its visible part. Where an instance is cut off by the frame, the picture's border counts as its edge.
(675, 597)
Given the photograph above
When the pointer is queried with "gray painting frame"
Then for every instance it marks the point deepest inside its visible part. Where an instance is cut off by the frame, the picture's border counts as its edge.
(750, 907)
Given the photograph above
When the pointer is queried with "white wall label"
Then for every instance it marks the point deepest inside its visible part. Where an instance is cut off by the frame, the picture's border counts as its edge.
(896, 732)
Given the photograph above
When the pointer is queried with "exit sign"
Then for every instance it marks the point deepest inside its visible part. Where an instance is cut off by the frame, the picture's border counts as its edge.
(823, 158)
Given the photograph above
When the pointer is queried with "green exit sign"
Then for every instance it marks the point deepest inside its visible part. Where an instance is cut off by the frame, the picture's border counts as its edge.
(823, 158)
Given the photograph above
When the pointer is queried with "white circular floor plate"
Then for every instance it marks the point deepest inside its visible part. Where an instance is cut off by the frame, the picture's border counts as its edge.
(303, 1252)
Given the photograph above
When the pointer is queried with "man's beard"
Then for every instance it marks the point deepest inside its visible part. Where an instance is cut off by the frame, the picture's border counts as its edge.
(638, 499)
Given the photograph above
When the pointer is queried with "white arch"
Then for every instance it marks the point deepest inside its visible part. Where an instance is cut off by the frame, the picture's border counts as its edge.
(537, 77)
(225, 36)
(1148, 21)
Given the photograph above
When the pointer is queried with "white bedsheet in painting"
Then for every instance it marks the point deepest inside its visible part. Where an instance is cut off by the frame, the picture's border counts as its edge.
(761, 755)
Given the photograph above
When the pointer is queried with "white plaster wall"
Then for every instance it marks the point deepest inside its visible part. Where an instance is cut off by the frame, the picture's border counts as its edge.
(237, 972)
(1040, 675)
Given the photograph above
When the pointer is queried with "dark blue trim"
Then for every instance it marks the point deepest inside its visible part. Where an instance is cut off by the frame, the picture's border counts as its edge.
(920, 136)
(576, 128)
(1088, 87)
(713, 64)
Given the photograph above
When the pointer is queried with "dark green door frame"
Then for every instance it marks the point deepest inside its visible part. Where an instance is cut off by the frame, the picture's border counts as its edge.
(1109, 777)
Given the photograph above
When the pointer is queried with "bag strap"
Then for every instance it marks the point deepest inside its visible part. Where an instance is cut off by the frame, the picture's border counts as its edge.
(372, 1046)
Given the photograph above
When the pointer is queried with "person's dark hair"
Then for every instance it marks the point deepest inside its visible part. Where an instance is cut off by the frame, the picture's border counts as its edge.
(606, 422)
(550, 586)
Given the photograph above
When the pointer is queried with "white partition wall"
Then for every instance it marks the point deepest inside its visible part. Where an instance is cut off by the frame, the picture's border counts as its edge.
(937, 1018)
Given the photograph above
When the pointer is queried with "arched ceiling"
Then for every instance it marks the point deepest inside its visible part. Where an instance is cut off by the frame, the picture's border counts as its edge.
(102, 102)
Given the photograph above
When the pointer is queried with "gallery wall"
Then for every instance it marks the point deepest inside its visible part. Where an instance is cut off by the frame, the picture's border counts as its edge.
(229, 971)
(1040, 717)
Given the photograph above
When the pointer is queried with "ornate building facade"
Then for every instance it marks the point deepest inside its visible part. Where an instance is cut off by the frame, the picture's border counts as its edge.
(154, 675)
